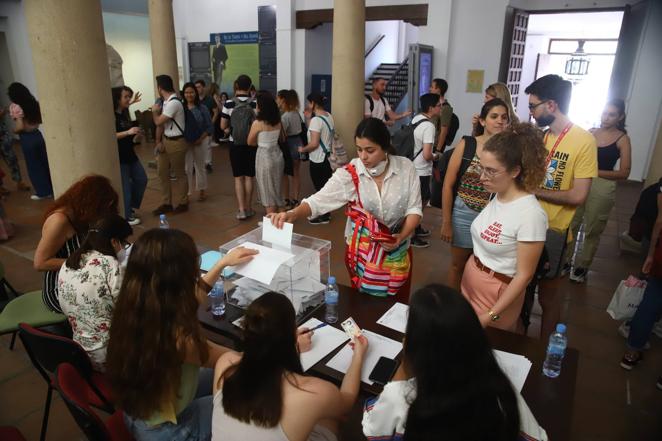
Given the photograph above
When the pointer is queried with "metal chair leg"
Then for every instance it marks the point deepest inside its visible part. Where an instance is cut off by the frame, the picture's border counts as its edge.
(47, 409)
(13, 340)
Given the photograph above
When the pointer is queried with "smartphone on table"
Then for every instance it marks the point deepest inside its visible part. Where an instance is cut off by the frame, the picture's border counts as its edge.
(383, 370)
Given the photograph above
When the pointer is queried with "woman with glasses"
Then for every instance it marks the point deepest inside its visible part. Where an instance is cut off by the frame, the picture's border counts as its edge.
(89, 283)
(509, 233)
(463, 195)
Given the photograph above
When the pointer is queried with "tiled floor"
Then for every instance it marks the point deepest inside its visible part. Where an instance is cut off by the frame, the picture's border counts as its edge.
(610, 404)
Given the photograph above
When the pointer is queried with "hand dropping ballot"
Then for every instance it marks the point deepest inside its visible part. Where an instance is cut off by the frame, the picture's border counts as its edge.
(264, 265)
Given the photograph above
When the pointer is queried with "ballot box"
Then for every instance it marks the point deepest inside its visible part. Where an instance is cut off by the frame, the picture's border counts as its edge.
(299, 271)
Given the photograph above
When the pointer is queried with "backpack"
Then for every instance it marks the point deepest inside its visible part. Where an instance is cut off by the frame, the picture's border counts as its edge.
(240, 121)
(404, 141)
(452, 128)
(439, 172)
(337, 155)
(192, 130)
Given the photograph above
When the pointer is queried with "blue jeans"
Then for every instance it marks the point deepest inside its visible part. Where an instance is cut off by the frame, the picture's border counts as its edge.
(193, 423)
(648, 312)
(36, 161)
(134, 182)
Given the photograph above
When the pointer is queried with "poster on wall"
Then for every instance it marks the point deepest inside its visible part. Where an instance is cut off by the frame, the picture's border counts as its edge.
(233, 54)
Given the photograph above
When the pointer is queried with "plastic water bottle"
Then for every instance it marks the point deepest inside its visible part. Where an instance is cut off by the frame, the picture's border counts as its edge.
(163, 222)
(217, 299)
(558, 341)
(331, 300)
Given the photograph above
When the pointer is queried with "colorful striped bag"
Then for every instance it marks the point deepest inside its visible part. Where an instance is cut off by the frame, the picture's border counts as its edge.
(371, 268)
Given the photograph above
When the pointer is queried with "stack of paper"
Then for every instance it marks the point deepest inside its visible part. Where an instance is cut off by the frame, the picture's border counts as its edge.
(325, 340)
(378, 346)
(516, 367)
(396, 317)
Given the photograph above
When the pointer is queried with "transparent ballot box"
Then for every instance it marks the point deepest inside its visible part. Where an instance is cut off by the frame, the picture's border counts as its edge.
(301, 278)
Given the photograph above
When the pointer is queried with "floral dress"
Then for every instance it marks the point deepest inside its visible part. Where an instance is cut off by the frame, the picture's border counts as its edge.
(87, 297)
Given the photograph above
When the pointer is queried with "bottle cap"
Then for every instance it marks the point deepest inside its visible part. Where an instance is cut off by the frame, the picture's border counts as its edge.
(332, 279)
(162, 217)
(560, 328)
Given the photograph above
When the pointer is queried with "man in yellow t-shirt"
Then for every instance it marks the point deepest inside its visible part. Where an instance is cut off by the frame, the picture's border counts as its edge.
(572, 166)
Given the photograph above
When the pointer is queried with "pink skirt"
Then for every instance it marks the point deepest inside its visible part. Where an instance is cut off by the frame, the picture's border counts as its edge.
(483, 290)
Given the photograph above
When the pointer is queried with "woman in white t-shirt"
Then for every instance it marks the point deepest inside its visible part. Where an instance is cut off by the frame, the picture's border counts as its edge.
(509, 233)
(449, 385)
(320, 137)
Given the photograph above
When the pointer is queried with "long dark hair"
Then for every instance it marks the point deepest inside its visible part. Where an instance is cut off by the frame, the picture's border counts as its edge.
(620, 106)
(253, 390)
(374, 130)
(485, 110)
(99, 238)
(196, 100)
(19, 94)
(461, 393)
(154, 322)
(267, 108)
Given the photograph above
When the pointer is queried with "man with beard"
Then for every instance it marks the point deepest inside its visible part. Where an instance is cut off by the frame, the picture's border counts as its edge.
(376, 106)
(572, 162)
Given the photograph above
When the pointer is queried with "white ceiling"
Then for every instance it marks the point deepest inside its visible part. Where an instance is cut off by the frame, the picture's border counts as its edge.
(577, 24)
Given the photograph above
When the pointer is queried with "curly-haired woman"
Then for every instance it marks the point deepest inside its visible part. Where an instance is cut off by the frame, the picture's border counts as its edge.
(66, 223)
(509, 233)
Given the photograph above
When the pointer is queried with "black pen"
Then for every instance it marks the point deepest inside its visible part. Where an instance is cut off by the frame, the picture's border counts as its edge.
(321, 325)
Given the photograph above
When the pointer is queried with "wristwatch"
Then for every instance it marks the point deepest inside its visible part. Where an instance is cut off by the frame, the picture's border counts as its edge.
(493, 315)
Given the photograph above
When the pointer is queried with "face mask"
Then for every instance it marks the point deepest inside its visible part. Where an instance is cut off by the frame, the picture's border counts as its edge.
(123, 255)
(379, 169)
(545, 121)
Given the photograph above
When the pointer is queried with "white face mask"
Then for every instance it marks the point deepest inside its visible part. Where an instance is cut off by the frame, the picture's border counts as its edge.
(123, 255)
(379, 169)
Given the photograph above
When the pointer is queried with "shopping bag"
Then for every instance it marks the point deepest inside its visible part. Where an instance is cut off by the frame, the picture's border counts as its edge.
(626, 298)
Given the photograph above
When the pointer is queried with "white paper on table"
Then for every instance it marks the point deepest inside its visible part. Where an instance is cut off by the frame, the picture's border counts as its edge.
(516, 367)
(378, 346)
(264, 265)
(281, 237)
(396, 317)
(324, 340)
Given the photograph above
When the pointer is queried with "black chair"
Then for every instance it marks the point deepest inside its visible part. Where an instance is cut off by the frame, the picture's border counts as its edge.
(47, 351)
(72, 387)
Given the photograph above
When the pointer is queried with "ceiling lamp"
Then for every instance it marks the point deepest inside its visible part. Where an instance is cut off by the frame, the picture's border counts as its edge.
(577, 64)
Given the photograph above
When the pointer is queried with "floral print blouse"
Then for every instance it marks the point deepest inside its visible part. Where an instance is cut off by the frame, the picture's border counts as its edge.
(87, 297)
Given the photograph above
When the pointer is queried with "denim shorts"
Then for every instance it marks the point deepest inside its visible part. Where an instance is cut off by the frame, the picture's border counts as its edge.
(462, 218)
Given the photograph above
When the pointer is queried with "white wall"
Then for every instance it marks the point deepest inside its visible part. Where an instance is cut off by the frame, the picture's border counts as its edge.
(387, 50)
(18, 42)
(129, 35)
(475, 43)
(319, 47)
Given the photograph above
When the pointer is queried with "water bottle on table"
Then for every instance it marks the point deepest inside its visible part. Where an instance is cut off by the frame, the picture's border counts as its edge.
(558, 341)
(163, 222)
(217, 299)
(331, 300)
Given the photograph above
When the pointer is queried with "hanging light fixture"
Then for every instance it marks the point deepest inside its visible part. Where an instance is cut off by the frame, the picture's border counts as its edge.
(577, 64)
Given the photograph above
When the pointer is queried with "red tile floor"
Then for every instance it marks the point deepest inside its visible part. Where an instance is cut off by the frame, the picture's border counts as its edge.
(610, 404)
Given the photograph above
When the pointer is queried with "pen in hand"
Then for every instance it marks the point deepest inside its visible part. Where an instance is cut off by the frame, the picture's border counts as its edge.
(321, 325)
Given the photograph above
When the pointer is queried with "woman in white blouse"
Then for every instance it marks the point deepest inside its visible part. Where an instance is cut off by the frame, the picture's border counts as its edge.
(449, 386)
(389, 191)
(89, 283)
(509, 234)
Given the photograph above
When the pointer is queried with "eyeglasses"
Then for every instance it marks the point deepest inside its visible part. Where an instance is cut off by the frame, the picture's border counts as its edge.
(489, 173)
(534, 106)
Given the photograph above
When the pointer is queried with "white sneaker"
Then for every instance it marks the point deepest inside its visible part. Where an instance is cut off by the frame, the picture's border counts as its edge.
(34, 197)
(134, 221)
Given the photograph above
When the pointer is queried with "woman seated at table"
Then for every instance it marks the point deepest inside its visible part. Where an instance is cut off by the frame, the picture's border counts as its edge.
(263, 394)
(449, 385)
(89, 283)
(383, 192)
(156, 346)
(66, 222)
(509, 234)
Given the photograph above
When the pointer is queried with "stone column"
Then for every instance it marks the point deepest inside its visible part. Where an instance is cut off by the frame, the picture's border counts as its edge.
(655, 168)
(162, 37)
(73, 88)
(348, 68)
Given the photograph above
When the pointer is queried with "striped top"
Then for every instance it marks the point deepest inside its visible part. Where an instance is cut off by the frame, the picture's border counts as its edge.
(49, 291)
(470, 189)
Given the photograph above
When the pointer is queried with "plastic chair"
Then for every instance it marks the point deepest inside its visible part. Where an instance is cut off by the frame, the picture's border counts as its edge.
(47, 351)
(72, 388)
(27, 308)
(8, 433)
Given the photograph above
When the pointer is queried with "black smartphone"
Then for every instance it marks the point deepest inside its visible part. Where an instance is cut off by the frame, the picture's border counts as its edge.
(383, 370)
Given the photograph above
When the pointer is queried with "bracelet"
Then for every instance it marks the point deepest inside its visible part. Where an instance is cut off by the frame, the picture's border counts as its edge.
(493, 315)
